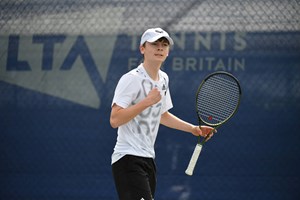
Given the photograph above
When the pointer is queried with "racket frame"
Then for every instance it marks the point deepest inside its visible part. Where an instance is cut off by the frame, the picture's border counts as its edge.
(191, 166)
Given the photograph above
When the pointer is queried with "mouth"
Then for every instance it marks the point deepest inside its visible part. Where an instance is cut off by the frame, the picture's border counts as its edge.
(159, 55)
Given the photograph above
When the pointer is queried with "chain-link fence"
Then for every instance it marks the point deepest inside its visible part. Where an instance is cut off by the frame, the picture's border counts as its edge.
(102, 17)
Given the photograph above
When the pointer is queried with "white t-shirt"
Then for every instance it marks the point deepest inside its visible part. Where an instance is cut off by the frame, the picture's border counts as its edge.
(137, 137)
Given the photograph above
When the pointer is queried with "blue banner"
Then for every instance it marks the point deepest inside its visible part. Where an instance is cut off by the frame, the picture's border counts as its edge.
(55, 98)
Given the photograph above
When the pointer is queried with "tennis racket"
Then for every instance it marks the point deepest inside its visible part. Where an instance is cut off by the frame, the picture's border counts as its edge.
(217, 100)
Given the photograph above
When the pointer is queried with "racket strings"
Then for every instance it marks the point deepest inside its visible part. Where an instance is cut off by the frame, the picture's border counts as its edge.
(217, 99)
(225, 98)
(219, 106)
(222, 103)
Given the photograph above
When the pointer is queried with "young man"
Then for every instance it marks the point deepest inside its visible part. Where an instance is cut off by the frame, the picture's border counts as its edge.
(140, 104)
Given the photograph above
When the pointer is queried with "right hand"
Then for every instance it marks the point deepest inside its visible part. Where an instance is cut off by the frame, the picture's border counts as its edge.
(153, 96)
(204, 131)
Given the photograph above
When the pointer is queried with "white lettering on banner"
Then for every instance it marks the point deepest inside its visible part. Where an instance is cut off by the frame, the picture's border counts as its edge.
(196, 45)
(204, 41)
(61, 66)
(208, 63)
(73, 67)
(179, 64)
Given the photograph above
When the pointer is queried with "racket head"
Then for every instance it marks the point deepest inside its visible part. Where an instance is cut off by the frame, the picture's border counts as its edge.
(218, 98)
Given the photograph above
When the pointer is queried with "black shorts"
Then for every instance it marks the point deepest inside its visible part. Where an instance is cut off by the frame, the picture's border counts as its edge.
(135, 178)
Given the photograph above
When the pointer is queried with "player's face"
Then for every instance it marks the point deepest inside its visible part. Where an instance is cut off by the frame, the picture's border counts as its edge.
(156, 51)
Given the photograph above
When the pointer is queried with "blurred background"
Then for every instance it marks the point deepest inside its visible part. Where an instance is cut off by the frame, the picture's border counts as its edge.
(60, 61)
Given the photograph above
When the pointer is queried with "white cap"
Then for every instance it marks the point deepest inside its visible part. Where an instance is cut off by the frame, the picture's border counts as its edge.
(153, 34)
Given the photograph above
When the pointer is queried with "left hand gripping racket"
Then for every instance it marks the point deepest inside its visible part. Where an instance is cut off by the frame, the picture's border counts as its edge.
(217, 100)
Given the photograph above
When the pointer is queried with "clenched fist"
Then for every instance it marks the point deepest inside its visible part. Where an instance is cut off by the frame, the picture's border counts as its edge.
(153, 96)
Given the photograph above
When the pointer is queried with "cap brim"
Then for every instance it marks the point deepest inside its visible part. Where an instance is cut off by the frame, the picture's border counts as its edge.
(161, 36)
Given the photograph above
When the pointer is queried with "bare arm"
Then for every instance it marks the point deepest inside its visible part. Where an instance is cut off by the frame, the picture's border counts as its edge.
(171, 121)
(120, 116)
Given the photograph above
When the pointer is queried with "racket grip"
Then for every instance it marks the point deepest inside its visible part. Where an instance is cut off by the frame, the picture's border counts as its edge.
(190, 169)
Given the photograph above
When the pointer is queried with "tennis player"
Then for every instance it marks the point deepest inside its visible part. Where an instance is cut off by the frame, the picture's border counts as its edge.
(140, 104)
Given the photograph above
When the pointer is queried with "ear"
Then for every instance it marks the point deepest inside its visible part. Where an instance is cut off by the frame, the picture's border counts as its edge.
(142, 49)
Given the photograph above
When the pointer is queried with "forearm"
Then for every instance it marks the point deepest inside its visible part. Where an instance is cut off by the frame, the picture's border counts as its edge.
(120, 116)
(171, 121)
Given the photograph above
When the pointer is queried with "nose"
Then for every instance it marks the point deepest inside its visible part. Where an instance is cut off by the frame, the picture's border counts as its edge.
(160, 46)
